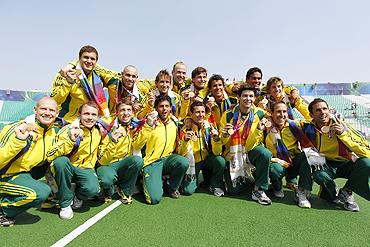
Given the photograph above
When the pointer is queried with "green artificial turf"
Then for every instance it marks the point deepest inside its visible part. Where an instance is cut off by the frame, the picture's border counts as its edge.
(202, 220)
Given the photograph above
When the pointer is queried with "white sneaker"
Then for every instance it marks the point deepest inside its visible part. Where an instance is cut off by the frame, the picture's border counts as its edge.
(77, 203)
(218, 192)
(279, 193)
(349, 201)
(66, 213)
(301, 198)
(261, 197)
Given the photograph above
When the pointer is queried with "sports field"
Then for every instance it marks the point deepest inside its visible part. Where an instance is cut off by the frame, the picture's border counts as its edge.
(200, 220)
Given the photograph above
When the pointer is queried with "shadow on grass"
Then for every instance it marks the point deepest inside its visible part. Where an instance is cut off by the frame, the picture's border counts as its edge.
(27, 218)
(85, 207)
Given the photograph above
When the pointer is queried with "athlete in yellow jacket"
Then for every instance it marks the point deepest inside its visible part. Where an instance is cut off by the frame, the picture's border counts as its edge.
(70, 93)
(201, 144)
(160, 138)
(74, 154)
(117, 164)
(238, 128)
(23, 147)
(347, 155)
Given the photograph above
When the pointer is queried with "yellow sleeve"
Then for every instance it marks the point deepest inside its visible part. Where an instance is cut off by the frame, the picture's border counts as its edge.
(60, 89)
(144, 110)
(106, 150)
(142, 137)
(62, 145)
(355, 142)
(185, 108)
(216, 147)
(183, 147)
(10, 145)
(301, 106)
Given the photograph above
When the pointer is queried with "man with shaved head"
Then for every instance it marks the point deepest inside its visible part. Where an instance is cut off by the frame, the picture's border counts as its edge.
(128, 88)
(23, 147)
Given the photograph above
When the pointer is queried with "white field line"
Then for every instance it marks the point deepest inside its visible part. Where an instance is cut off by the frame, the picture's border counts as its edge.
(76, 232)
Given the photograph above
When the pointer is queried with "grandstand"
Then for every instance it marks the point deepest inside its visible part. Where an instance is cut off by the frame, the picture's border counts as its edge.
(15, 105)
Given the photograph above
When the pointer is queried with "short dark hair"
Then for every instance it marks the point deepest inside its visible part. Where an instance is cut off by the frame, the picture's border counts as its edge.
(163, 72)
(197, 71)
(195, 104)
(88, 48)
(160, 99)
(314, 102)
(251, 71)
(213, 78)
(246, 86)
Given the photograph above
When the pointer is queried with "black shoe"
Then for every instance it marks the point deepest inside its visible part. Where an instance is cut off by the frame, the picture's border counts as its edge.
(6, 221)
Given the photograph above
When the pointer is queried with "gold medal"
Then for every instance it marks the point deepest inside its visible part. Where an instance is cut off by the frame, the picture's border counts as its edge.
(194, 138)
(191, 95)
(268, 124)
(264, 101)
(325, 129)
(230, 131)
(78, 72)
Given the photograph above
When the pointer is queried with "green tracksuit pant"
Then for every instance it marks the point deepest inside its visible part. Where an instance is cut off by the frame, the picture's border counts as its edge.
(65, 173)
(214, 166)
(21, 192)
(357, 173)
(124, 173)
(260, 157)
(174, 165)
(299, 166)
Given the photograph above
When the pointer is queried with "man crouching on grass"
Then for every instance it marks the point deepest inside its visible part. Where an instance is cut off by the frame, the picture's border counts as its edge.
(74, 155)
(22, 160)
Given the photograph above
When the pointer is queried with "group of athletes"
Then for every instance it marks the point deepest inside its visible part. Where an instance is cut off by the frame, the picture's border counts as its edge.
(101, 132)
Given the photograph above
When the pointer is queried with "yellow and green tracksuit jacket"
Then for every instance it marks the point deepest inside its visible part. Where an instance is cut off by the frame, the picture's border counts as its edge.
(159, 141)
(353, 142)
(71, 96)
(10, 146)
(199, 147)
(110, 151)
(286, 135)
(87, 152)
(251, 141)
(185, 84)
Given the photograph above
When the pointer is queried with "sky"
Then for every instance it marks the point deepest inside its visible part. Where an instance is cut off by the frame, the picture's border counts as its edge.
(299, 41)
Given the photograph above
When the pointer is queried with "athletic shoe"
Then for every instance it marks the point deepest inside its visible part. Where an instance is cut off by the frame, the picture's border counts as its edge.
(279, 193)
(261, 197)
(349, 201)
(174, 194)
(301, 198)
(217, 191)
(123, 198)
(77, 203)
(6, 221)
(66, 213)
